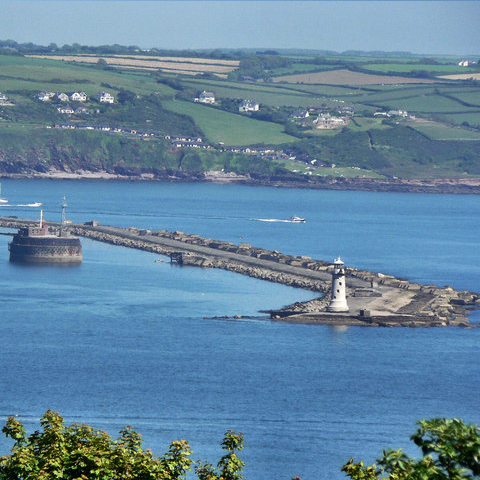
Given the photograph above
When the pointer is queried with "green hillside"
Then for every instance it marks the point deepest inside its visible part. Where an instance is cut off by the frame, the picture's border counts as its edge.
(230, 128)
(437, 136)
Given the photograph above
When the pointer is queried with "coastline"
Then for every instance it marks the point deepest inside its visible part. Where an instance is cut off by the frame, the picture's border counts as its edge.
(466, 185)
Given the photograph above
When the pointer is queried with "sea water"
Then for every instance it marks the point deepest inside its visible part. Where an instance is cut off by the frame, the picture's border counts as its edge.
(124, 339)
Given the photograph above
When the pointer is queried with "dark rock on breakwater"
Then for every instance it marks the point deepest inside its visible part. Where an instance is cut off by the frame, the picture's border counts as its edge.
(374, 299)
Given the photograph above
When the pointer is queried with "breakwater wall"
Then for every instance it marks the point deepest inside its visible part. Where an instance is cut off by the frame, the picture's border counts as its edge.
(386, 295)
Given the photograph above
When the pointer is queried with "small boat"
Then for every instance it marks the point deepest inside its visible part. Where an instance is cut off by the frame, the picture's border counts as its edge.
(296, 219)
(35, 204)
(2, 200)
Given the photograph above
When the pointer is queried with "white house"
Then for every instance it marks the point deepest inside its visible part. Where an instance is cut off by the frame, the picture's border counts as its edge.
(300, 114)
(45, 96)
(326, 122)
(105, 97)
(397, 113)
(65, 110)
(78, 97)
(63, 97)
(249, 106)
(206, 97)
(82, 110)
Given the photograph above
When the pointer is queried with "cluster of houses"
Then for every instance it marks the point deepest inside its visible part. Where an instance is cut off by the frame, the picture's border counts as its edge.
(246, 105)
(68, 110)
(176, 141)
(102, 97)
(249, 106)
(205, 97)
(466, 63)
(393, 113)
(325, 120)
(4, 100)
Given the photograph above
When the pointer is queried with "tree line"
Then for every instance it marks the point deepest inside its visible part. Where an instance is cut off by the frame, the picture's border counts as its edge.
(450, 451)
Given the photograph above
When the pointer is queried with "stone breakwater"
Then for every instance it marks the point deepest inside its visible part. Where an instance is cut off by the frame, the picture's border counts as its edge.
(374, 298)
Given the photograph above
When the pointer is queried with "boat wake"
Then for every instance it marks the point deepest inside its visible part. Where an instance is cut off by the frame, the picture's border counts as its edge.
(273, 220)
(32, 205)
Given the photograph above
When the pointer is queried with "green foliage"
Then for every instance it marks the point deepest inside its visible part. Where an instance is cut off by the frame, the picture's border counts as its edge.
(259, 66)
(450, 448)
(126, 96)
(229, 466)
(79, 452)
(399, 151)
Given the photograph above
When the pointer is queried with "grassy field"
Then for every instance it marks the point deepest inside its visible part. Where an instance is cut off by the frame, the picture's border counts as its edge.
(425, 104)
(346, 77)
(462, 76)
(229, 128)
(20, 73)
(366, 123)
(141, 62)
(441, 69)
(472, 118)
(439, 131)
(471, 97)
(268, 96)
(245, 86)
(394, 95)
(303, 68)
(349, 172)
(276, 88)
(323, 90)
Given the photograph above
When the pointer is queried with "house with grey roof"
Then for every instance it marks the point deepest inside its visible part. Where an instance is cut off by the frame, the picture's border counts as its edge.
(249, 106)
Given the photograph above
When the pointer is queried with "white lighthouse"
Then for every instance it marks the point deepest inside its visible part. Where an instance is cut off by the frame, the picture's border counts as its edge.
(338, 303)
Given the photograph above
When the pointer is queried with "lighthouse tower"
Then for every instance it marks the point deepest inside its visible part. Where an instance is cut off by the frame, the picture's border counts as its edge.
(338, 302)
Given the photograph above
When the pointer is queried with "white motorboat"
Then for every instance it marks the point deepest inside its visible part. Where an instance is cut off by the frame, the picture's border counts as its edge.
(2, 200)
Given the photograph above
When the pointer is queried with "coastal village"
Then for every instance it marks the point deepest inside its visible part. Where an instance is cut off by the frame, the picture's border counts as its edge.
(71, 105)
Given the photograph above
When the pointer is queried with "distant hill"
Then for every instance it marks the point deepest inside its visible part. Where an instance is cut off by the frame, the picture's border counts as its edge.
(318, 113)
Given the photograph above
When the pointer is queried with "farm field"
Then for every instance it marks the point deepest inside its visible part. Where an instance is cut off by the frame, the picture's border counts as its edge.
(323, 90)
(409, 67)
(211, 84)
(366, 123)
(394, 95)
(471, 97)
(229, 128)
(346, 77)
(267, 96)
(439, 131)
(472, 118)
(303, 67)
(20, 73)
(286, 88)
(172, 64)
(462, 76)
(425, 104)
(348, 172)
(282, 98)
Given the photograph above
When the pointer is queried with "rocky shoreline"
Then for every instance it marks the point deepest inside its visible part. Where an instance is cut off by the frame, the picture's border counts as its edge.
(446, 185)
(374, 299)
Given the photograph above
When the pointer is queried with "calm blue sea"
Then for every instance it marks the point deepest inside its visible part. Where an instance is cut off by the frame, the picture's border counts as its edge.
(123, 340)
